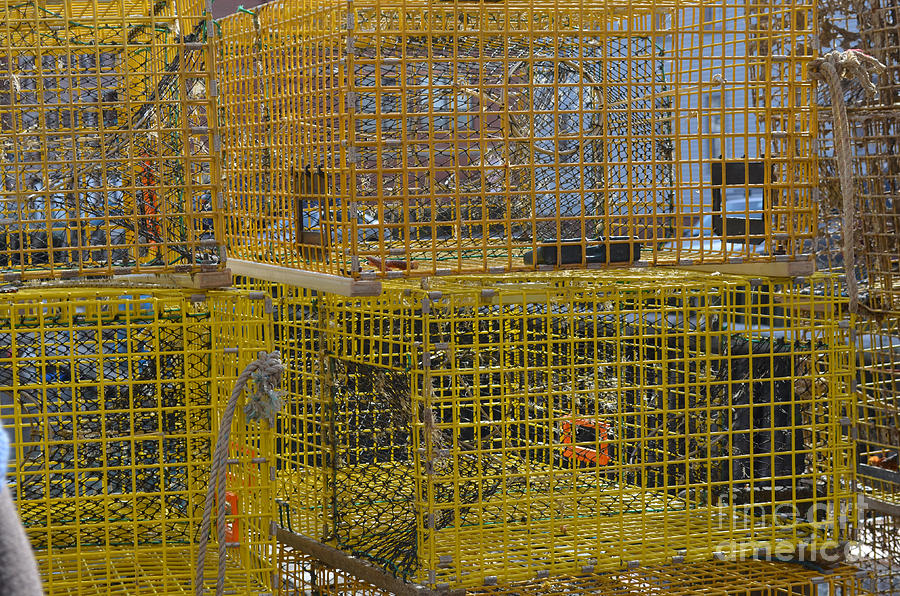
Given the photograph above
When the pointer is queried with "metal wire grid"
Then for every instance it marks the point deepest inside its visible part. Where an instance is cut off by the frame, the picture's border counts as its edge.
(413, 138)
(111, 398)
(879, 33)
(878, 394)
(871, 27)
(876, 234)
(301, 574)
(106, 117)
(501, 427)
(878, 551)
(878, 450)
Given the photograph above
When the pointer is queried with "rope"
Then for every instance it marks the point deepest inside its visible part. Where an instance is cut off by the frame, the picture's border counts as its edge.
(830, 69)
(264, 403)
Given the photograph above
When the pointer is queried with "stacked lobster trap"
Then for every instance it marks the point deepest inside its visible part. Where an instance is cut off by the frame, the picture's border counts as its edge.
(303, 574)
(106, 121)
(478, 431)
(873, 237)
(489, 430)
(112, 394)
(878, 443)
(112, 398)
(469, 432)
(393, 138)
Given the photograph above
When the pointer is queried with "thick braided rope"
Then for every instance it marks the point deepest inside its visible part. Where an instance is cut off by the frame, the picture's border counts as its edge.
(266, 370)
(830, 69)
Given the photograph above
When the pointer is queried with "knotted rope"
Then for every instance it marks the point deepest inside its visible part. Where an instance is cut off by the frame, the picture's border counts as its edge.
(263, 404)
(830, 69)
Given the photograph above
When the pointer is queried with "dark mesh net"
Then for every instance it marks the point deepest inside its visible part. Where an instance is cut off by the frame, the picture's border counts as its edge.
(553, 413)
(103, 456)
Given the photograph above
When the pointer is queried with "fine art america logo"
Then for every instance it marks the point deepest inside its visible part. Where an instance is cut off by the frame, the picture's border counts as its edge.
(788, 532)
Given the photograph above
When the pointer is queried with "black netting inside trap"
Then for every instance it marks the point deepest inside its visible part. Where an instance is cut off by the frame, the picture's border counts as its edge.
(373, 468)
(562, 413)
(113, 426)
(769, 413)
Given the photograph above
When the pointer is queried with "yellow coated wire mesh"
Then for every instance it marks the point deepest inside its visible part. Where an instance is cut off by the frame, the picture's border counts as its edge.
(106, 119)
(871, 27)
(302, 574)
(408, 137)
(878, 393)
(878, 550)
(112, 399)
(504, 427)
(876, 233)
(878, 450)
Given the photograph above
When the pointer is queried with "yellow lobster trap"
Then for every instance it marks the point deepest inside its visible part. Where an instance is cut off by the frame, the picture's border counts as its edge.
(873, 131)
(499, 429)
(302, 574)
(878, 395)
(112, 399)
(878, 450)
(412, 137)
(875, 235)
(106, 138)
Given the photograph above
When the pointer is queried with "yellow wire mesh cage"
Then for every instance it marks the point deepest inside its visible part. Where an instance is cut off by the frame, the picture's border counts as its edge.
(408, 137)
(496, 429)
(106, 118)
(112, 399)
(873, 28)
(875, 234)
(302, 574)
(878, 548)
(878, 449)
(878, 394)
